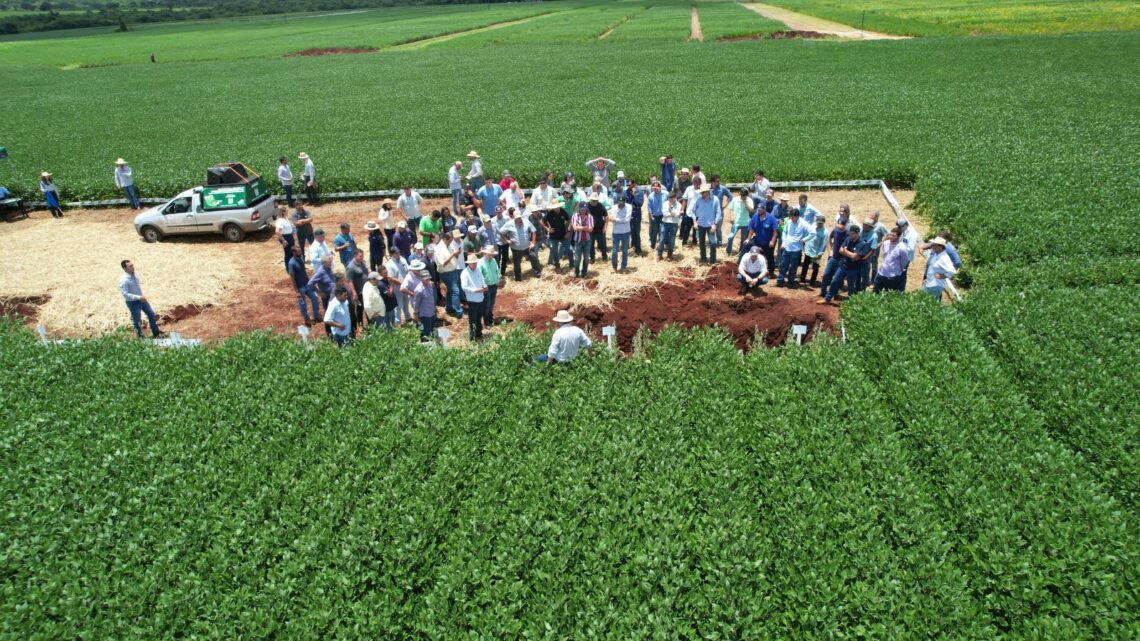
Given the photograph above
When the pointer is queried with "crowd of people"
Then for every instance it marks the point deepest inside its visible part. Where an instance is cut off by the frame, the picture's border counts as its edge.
(457, 256)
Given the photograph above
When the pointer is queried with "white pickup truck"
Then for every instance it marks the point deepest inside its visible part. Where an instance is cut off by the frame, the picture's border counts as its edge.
(208, 210)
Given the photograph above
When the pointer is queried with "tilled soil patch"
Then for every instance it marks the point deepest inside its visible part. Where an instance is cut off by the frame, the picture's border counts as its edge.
(713, 300)
(22, 307)
(331, 51)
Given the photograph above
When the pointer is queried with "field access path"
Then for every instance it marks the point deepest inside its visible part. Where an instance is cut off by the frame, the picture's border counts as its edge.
(695, 30)
(802, 22)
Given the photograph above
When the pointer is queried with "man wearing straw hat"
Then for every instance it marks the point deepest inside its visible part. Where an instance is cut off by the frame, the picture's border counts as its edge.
(374, 307)
(475, 176)
(124, 179)
(489, 267)
(51, 194)
(566, 341)
(455, 184)
(939, 268)
(309, 175)
(707, 214)
(446, 255)
(376, 244)
(475, 289)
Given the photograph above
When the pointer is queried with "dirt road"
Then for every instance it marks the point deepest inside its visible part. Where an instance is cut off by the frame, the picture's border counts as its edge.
(695, 30)
(803, 22)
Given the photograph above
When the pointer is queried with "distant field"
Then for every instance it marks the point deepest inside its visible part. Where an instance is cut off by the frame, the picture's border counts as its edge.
(975, 17)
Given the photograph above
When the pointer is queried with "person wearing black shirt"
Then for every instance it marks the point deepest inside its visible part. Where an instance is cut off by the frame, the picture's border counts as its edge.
(854, 251)
(598, 211)
(559, 223)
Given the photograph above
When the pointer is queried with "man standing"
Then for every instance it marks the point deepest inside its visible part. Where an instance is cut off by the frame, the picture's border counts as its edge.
(950, 249)
(344, 244)
(752, 271)
(760, 186)
(429, 226)
(597, 210)
(939, 268)
(338, 317)
(309, 175)
(831, 271)
(356, 273)
(880, 231)
(499, 223)
(566, 341)
(852, 253)
(488, 196)
(814, 247)
(782, 210)
(560, 245)
(671, 217)
(872, 237)
(447, 264)
(403, 239)
(303, 222)
(475, 176)
(808, 212)
(423, 302)
(409, 203)
(707, 215)
(909, 238)
(396, 270)
(655, 204)
(682, 184)
(740, 213)
(475, 289)
(320, 249)
(300, 279)
(124, 179)
(285, 234)
(891, 275)
(795, 232)
(621, 215)
(521, 234)
(668, 171)
(489, 268)
(762, 229)
(600, 169)
(322, 282)
(767, 203)
(285, 175)
(373, 305)
(689, 198)
(582, 227)
(542, 196)
(376, 244)
(455, 184)
(722, 195)
(636, 200)
(137, 303)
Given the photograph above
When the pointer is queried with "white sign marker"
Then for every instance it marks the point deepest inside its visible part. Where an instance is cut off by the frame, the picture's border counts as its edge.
(800, 331)
(444, 334)
(609, 331)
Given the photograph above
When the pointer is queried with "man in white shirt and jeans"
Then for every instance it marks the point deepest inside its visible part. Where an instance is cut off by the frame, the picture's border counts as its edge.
(455, 184)
(409, 202)
(124, 179)
(285, 175)
(566, 342)
(136, 302)
(474, 287)
(753, 271)
(309, 175)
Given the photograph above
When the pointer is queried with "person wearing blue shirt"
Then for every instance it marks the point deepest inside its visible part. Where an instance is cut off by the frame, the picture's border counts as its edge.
(950, 249)
(722, 195)
(345, 245)
(489, 195)
(781, 211)
(706, 214)
(795, 232)
(655, 203)
(852, 254)
(300, 277)
(834, 242)
(807, 212)
(339, 318)
(872, 238)
(815, 246)
(668, 172)
(762, 229)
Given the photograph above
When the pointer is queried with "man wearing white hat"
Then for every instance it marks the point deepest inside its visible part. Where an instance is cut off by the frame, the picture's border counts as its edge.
(396, 270)
(309, 175)
(124, 179)
(939, 268)
(475, 176)
(706, 214)
(475, 289)
(752, 270)
(374, 308)
(489, 267)
(566, 341)
(51, 194)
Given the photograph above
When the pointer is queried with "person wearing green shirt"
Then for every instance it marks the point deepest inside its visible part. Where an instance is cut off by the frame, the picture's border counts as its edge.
(491, 277)
(740, 213)
(431, 225)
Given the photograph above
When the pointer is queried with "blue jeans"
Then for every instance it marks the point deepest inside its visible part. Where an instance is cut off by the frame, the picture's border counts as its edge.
(732, 232)
(851, 274)
(451, 279)
(621, 243)
(132, 193)
(475, 314)
(830, 272)
(582, 256)
(288, 238)
(427, 327)
(668, 239)
(635, 235)
(895, 284)
(864, 274)
(789, 267)
(719, 238)
(383, 322)
(489, 305)
(403, 307)
(560, 249)
(341, 339)
(137, 308)
(707, 235)
(307, 292)
(288, 193)
(455, 195)
(654, 231)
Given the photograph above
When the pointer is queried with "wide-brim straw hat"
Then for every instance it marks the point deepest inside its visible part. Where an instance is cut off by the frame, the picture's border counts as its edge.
(120, 161)
(563, 316)
(417, 265)
(303, 156)
(45, 174)
(490, 250)
(472, 154)
(371, 225)
(472, 259)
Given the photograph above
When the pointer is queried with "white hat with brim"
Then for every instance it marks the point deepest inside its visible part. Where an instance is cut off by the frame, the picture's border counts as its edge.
(563, 316)
(371, 225)
(418, 245)
(704, 189)
(940, 241)
(472, 260)
(402, 225)
(685, 170)
(784, 197)
(303, 156)
(594, 198)
(490, 250)
(373, 276)
(120, 161)
(472, 154)
(45, 174)
(417, 265)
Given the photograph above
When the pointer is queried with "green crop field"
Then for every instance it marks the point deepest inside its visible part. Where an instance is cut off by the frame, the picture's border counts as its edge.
(964, 471)
(956, 18)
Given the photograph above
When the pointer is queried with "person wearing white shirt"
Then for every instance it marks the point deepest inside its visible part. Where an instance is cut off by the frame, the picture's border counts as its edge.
(320, 249)
(688, 199)
(752, 271)
(124, 179)
(455, 184)
(374, 307)
(286, 234)
(566, 342)
(620, 216)
(474, 287)
(761, 185)
(285, 175)
(939, 268)
(309, 175)
(671, 216)
(542, 196)
(409, 203)
(396, 270)
(447, 254)
(909, 239)
(475, 176)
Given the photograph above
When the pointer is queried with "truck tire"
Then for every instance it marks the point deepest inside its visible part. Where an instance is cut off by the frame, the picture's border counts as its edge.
(233, 233)
(151, 234)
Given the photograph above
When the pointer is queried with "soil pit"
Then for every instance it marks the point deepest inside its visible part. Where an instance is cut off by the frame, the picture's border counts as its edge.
(712, 300)
(309, 53)
(25, 307)
(779, 35)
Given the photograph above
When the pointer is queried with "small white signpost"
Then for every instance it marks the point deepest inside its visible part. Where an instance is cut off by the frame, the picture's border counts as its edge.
(444, 334)
(304, 332)
(799, 331)
(42, 331)
(609, 331)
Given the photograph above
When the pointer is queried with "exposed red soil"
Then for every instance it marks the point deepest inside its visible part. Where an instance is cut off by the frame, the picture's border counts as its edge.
(711, 301)
(182, 312)
(332, 51)
(778, 35)
(27, 307)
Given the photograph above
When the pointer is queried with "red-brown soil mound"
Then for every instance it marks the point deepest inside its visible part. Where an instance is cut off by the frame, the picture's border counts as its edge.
(308, 53)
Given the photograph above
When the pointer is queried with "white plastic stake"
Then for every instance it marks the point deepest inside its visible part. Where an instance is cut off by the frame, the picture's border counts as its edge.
(609, 331)
(444, 334)
(800, 331)
(304, 332)
(42, 331)
(176, 339)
